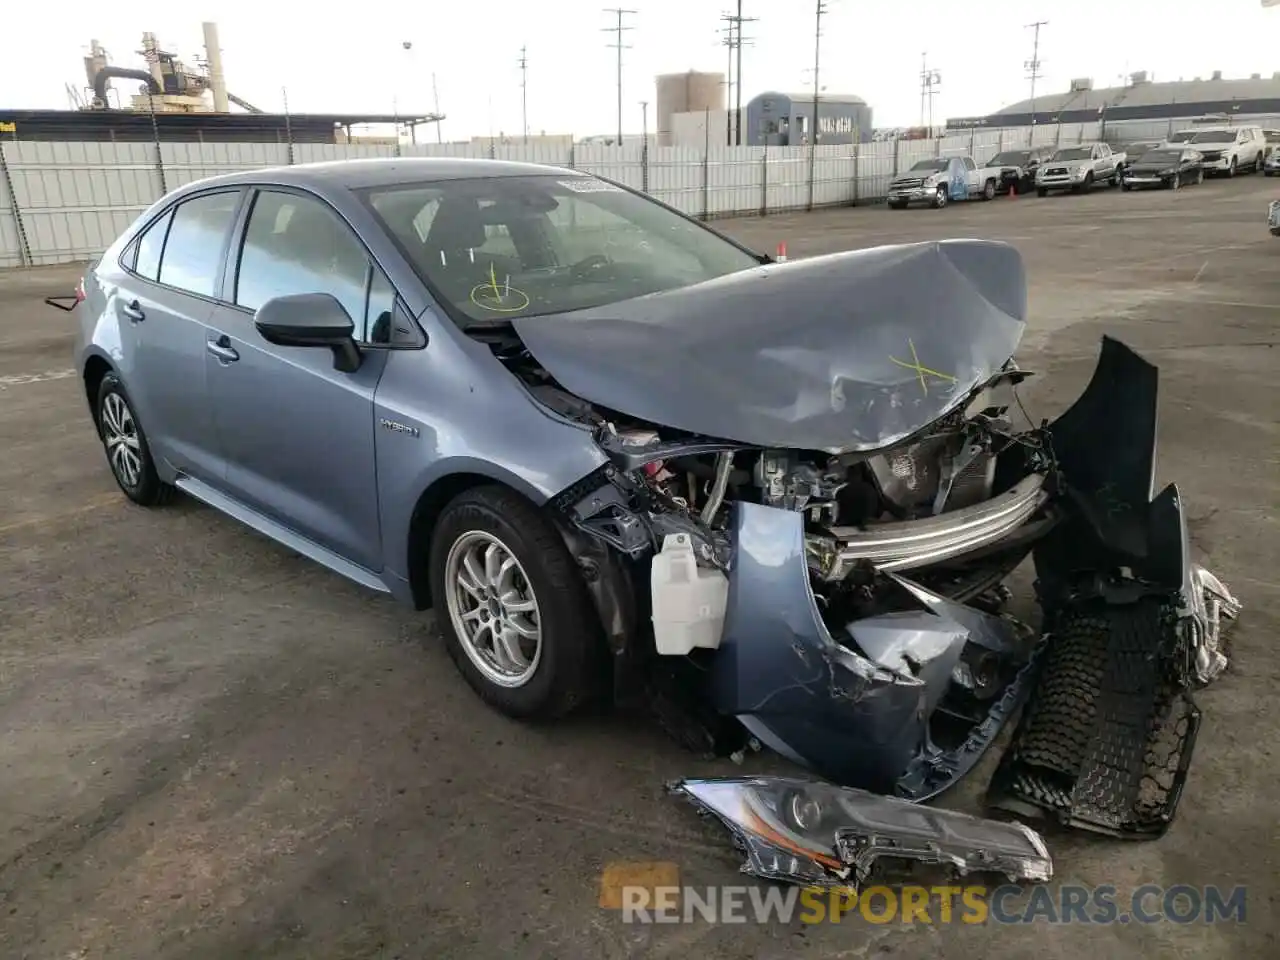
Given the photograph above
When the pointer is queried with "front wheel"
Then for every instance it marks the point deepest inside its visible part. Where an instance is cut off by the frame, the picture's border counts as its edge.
(940, 198)
(1231, 170)
(126, 446)
(1200, 175)
(1088, 182)
(1175, 182)
(989, 190)
(513, 606)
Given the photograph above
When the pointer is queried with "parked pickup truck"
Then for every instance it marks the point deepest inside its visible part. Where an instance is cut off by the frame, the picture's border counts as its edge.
(1079, 168)
(941, 179)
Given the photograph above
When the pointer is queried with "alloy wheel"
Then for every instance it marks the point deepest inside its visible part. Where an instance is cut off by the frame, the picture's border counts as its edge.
(492, 608)
(120, 436)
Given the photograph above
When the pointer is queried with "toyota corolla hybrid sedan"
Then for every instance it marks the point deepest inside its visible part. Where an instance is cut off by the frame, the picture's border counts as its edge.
(595, 435)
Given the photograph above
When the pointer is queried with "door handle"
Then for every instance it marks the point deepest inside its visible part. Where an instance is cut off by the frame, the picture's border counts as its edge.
(222, 349)
(133, 311)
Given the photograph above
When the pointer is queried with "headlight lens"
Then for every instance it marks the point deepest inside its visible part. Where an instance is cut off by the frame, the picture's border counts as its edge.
(817, 833)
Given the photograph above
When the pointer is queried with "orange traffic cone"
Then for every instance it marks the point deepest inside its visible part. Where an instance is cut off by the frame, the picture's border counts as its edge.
(782, 253)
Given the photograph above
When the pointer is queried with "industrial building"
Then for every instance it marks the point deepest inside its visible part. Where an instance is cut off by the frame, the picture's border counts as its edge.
(691, 92)
(1140, 99)
(177, 102)
(776, 120)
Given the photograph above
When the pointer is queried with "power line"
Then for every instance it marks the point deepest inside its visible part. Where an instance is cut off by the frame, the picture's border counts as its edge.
(617, 31)
(524, 94)
(930, 81)
(1033, 65)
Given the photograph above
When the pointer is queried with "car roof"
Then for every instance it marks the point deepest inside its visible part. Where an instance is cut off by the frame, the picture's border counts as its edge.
(386, 171)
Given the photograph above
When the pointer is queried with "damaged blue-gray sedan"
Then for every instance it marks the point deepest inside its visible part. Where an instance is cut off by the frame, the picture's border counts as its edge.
(621, 455)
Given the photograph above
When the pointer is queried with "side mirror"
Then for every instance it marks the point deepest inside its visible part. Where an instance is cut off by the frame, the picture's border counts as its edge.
(310, 320)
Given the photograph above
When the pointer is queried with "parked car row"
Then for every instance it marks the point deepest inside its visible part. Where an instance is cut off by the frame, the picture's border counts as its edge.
(1184, 158)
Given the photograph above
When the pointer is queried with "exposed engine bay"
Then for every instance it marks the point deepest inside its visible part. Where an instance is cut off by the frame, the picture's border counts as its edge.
(845, 604)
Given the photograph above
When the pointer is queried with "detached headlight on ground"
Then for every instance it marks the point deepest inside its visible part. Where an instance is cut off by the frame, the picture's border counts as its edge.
(819, 834)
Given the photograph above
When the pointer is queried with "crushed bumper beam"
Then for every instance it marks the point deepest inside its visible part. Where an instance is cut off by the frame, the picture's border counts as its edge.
(919, 543)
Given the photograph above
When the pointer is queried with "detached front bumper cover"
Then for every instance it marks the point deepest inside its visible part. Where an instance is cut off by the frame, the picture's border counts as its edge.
(818, 834)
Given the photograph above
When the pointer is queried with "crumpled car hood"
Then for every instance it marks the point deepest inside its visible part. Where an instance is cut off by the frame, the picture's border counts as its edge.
(850, 351)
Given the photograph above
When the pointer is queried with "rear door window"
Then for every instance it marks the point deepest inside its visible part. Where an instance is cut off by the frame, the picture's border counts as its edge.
(193, 248)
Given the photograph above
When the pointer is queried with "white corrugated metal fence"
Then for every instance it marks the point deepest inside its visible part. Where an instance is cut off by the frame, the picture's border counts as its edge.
(62, 202)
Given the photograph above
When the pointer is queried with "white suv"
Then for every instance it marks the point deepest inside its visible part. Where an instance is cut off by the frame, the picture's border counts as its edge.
(1227, 150)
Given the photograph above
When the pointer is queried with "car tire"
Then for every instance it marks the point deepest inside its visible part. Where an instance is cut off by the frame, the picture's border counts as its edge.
(1041, 192)
(1200, 175)
(548, 675)
(1175, 182)
(125, 444)
(1231, 170)
(1087, 186)
(989, 190)
(940, 198)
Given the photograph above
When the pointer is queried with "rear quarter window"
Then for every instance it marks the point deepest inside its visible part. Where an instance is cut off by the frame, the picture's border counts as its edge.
(149, 247)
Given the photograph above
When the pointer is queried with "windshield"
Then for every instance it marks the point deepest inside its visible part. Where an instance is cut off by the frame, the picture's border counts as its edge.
(1073, 153)
(1011, 158)
(1214, 136)
(935, 164)
(1183, 136)
(506, 247)
(1161, 156)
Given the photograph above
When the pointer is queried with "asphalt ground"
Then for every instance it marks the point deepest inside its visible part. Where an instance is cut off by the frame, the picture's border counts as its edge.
(213, 748)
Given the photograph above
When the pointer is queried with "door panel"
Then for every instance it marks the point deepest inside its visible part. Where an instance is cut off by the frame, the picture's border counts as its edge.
(166, 376)
(297, 435)
(162, 308)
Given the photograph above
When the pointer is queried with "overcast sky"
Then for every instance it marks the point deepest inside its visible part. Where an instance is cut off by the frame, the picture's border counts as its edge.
(349, 56)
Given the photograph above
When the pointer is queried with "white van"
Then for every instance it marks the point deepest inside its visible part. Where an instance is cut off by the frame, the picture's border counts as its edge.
(1226, 150)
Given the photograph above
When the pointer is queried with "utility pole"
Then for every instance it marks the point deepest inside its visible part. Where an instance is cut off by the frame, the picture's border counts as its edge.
(524, 95)
(731, 44)
(1033, 65)
(930, 80)
(820, 8)
(736, 42)
(619, 46)
(435, 101)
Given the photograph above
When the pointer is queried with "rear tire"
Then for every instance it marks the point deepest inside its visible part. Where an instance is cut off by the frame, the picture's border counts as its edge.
(125, 445)
(563, 668)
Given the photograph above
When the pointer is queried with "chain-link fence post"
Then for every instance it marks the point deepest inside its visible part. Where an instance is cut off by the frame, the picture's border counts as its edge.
(24, 245)
(897, 146)
(813, 168)
(857, 157)
(288, 130)
(155, 139)
(764, 181)
(644, 163)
